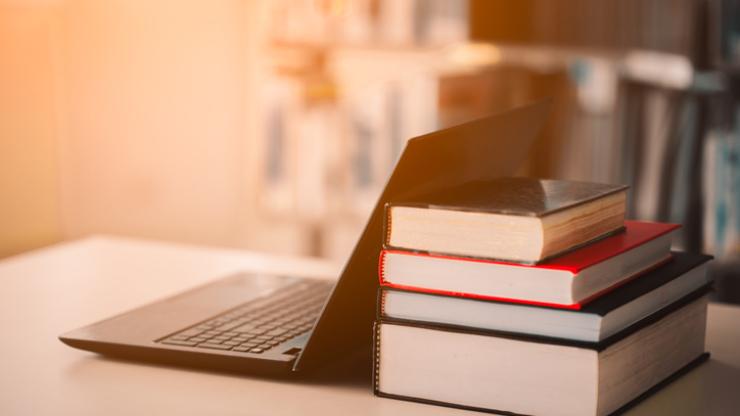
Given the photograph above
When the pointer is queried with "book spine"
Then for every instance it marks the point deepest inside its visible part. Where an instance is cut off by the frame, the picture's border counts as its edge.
(386, 224)
(380, 308)
(381, 267)
(376, 357)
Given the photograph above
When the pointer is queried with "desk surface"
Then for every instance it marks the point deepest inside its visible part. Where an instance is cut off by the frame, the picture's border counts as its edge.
(53, 290)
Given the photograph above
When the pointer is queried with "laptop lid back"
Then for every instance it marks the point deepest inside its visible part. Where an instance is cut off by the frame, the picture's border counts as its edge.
(482, 149)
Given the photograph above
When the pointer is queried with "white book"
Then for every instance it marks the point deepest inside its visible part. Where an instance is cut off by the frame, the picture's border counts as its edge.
(506, 374)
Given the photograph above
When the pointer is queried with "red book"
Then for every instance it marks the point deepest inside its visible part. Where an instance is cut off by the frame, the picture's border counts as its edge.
(568, 281)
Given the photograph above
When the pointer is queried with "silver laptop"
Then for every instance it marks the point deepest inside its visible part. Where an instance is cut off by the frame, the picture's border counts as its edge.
(272, 324)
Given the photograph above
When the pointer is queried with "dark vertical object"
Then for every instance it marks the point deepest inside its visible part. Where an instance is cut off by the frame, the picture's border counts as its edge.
(694, 224)
(694, 227)
(632, 110)
(673, 145)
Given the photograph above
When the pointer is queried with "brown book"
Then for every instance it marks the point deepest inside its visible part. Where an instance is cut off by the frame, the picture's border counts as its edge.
(522, 220)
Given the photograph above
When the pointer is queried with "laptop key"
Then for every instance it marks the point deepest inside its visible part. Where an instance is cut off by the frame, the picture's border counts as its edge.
(179, 343)
(276, 332)
(178, 338)
(215, 346)
(189, 333)
(245, 328)
(229, 326)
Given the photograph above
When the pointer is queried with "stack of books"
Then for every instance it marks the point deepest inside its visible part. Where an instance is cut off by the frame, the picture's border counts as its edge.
(530, 296)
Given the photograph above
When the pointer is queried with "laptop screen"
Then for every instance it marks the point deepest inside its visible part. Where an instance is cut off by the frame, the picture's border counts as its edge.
(482, 149)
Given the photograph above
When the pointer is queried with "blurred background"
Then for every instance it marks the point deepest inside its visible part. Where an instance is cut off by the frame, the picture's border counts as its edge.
(273, 124)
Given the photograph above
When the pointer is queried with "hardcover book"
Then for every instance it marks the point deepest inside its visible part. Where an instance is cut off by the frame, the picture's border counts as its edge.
(486, 371)
(522, 220)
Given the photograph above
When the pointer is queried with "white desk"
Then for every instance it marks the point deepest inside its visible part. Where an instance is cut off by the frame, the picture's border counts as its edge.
(50, 291)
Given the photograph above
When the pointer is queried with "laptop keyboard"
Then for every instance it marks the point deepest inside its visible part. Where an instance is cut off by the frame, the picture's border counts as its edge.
(260, 324)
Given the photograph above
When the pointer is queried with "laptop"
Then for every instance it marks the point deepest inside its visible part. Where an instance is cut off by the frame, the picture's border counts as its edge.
(281, 325)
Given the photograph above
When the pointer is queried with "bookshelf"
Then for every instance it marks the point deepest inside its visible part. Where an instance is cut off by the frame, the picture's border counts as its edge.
(638, 100)
(671, 126)
(344, 84)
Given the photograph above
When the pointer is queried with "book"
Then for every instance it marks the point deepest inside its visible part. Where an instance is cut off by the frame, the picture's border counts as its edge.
(522, 220)
(567, 282)
(684, 276)
(517, 375)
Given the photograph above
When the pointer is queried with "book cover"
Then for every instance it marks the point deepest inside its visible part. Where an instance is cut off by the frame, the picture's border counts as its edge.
(513, 196)
(681, 263)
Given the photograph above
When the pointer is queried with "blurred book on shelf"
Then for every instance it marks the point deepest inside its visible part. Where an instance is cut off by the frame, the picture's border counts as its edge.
(661, 25)
(722, 197)
(406, 23)
(725, 33)
(347, 84)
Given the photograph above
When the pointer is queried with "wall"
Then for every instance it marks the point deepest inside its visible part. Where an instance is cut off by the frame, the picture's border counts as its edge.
(129, 117)
(29, 215)
(153, 95)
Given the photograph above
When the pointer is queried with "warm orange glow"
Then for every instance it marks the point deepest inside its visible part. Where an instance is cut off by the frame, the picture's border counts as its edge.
(274, 124)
